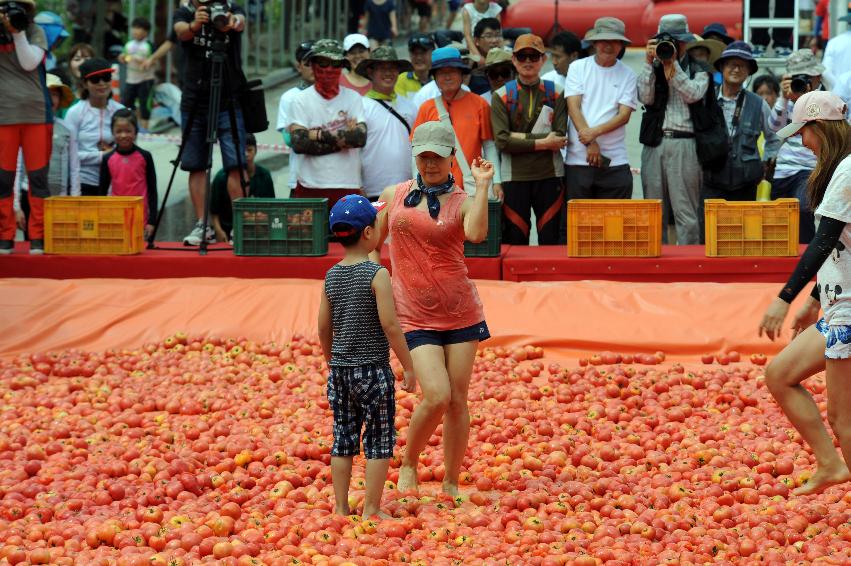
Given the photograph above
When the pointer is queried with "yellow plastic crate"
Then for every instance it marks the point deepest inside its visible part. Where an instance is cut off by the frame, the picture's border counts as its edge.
(94, 225)
(752, 229)
(614, 228)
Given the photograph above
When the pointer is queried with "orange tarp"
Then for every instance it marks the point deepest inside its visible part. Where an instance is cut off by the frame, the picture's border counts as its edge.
(567, 318)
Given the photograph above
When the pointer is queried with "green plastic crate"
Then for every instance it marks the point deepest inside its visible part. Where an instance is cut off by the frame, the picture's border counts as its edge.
(491, 246)
(280, 227)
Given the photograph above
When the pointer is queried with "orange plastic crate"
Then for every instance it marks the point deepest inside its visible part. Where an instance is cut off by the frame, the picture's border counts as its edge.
(614, 228)
(752, 229)
(94, 225)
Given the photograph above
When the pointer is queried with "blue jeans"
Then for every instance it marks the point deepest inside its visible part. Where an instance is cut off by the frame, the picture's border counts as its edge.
(796, 187)
(196, 150)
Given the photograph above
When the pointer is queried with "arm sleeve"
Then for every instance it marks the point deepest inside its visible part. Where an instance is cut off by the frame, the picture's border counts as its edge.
(151, 182)
(282, 113)
(559, 125)
(502, 132)
(105, 176)
(629, 95)
(74, 164)
(29, 56)
(829, 231)
(646, 84)
(814, 293)
(691, 90)
(490, 153)
(779, 115)
(772, 142)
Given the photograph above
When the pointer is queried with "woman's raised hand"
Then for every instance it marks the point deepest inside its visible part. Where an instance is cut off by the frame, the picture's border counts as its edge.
(482, 169)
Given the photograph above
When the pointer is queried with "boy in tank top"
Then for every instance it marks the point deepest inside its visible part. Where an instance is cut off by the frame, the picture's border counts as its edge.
(357, 327)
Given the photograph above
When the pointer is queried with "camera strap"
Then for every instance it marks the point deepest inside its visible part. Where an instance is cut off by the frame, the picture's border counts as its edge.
(396, 114)
(737, 113)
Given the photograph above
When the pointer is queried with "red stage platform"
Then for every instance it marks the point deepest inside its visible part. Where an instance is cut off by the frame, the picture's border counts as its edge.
(678, 263)
(185, 262)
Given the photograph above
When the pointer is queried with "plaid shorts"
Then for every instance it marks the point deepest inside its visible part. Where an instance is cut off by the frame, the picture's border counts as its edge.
(363, 398)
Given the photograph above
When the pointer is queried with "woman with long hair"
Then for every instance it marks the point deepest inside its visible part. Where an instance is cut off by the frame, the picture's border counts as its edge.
(819, 344)
(438, 305)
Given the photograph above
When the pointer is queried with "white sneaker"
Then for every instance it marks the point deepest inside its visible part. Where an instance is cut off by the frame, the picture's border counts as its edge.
(195, 236)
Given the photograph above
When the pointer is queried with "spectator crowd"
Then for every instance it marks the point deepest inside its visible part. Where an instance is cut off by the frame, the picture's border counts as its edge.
(709, 118)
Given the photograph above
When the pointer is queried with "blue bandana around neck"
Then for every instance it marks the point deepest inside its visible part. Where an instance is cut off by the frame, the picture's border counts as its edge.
(416, 195)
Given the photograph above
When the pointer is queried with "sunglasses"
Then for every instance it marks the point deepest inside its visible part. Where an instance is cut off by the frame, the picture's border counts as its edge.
(497, 74)
(104, 78)
(422, 42)
(325, 63)
(523, 57)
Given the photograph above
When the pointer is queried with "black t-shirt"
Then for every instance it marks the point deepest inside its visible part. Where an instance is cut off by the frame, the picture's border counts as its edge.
(479, 83)
(260, 186)
(196, 64)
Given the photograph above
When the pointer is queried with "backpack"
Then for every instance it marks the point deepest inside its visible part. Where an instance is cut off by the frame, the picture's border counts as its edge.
(512, 95)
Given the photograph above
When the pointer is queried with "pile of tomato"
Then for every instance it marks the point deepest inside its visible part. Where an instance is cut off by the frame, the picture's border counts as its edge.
(201, 449)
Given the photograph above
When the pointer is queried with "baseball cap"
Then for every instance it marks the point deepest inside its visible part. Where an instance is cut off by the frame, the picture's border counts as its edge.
(815, 105)
(355, 39)
(529, 41)
(354, 211)
(95, 66)
(434, 137)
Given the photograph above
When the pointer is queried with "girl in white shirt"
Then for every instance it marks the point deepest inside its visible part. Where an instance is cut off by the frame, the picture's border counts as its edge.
(820, 344)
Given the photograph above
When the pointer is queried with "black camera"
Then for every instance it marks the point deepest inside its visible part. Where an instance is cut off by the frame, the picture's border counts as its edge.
(218, 10)
(17, 14)
(800, 84)
(666, 47)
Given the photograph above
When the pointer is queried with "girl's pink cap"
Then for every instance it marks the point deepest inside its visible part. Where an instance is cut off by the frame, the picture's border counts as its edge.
(815, 105)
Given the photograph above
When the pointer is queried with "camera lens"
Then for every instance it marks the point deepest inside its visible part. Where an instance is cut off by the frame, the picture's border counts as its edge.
(665, 50)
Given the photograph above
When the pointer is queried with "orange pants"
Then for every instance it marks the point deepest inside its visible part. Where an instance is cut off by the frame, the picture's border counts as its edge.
(36, 141)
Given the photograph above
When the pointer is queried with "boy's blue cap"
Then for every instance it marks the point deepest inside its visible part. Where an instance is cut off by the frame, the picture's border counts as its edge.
(354, 211)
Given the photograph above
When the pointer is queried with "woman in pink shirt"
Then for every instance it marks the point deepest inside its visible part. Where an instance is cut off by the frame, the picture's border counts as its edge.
(438, 305)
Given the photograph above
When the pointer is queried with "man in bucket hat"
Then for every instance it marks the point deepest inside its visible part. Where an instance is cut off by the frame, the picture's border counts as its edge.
(795, 162)
(529, 120)
(327, 127)
(386, 157)
(601, 96)
(668, 83)
(747, 116)
(468, 114)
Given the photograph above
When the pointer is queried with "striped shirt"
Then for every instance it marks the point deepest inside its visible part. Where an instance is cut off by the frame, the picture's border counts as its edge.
(358, 338)
(793, 157)
(682, 91)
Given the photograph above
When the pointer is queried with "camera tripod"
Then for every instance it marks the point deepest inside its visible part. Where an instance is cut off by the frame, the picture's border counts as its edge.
(218, 78)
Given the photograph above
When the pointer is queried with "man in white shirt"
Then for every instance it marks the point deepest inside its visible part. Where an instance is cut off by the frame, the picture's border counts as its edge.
(306, 72)
(837, 54)
(386, 157)
(327, 128)
(601, 96)
(565, 48)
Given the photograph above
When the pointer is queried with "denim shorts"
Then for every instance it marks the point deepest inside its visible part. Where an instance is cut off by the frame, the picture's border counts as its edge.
(478, 332)
(195, 153)
(363, 398)
(837, 340)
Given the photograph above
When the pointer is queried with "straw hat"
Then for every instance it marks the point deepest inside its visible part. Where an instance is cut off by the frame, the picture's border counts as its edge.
(66, 97)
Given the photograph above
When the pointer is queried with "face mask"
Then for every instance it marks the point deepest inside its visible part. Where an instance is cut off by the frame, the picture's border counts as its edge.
(327, 81)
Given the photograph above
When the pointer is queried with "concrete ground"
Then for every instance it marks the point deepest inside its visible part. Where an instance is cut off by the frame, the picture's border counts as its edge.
(179, 217)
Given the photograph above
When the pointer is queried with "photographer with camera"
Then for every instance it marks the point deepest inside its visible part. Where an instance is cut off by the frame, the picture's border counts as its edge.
(669, 85)
(795, 162)
(199, 26)
(26, 119)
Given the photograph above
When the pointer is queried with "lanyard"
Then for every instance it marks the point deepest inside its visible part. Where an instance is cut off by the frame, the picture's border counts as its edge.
(737, 113)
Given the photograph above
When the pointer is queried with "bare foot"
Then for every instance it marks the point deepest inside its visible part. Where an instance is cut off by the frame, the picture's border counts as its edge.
(342, 511)
(407, 479)
(450, 489)
(823, 479)
(380, 514)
